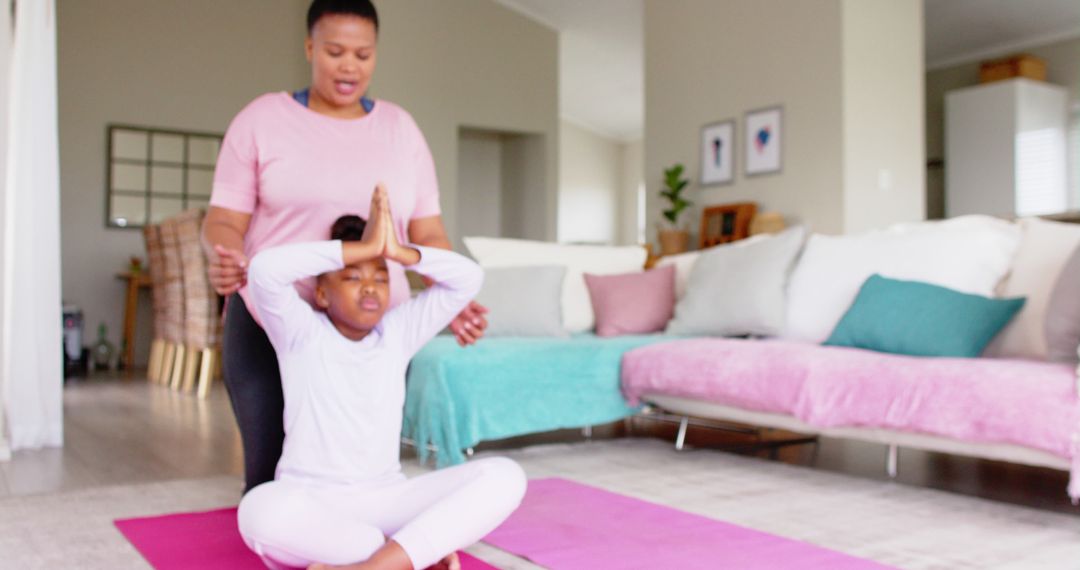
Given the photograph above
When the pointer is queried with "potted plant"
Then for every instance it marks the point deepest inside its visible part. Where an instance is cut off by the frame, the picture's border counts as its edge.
(673, 237)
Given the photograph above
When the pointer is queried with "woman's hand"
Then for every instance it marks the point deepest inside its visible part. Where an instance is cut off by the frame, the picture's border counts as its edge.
(468, 327)
(228, 270)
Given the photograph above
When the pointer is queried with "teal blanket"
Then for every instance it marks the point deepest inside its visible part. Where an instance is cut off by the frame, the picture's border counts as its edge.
(503, 387)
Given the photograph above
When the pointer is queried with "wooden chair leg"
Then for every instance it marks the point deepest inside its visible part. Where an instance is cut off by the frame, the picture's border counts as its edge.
(177, 374)
(153, 368)
(150, 363)
(206, 371)
(165, 367)
(190, 368)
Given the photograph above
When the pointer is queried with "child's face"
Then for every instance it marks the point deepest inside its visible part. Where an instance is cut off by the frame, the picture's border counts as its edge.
(355, 297)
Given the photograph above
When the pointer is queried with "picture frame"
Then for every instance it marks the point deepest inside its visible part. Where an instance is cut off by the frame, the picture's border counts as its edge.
(725, 223)
(764, 135)
(718, 153)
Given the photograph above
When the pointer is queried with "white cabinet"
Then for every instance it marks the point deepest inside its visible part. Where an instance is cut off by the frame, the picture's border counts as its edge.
(1005, 149)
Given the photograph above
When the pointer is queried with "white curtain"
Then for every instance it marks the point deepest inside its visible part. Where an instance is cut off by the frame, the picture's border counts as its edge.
(31, 333)
(5, 82)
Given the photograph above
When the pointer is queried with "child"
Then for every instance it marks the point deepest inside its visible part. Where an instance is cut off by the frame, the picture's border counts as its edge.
(339, 496)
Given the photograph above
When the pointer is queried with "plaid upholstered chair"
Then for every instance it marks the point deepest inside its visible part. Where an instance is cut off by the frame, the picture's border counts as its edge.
(172, 286)
(202, 314)
(156, 258)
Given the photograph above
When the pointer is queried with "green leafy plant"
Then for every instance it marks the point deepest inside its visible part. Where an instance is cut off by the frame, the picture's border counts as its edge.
(674, 184)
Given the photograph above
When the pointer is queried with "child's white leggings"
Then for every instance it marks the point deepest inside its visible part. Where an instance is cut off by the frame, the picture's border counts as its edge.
(295, 523)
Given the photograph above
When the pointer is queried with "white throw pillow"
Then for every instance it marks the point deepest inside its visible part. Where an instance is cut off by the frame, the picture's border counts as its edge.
(970, 254)
(503, 290)
(1045, 247)
(738, 288)
(578, 259)
(684, 263)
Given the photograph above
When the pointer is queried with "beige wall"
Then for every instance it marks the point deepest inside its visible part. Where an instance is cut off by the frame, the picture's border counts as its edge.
(884, 158)
(590, 176)
(599, 177)
(472, 63)
(480, 184)
(186, 64)
(849, 84)
(1063, 68)
(192, 64)
(712, 60)
(633, 176)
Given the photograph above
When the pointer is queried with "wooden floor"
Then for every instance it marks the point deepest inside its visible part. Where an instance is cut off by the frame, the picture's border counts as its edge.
(120, 431)
(124, 430)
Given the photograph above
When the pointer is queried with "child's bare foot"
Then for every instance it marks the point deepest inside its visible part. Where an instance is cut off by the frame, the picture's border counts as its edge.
(358, 566)
(390, 556)
(451, 562)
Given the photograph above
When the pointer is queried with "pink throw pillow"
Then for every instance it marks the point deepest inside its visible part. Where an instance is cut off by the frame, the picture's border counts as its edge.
(632, 303)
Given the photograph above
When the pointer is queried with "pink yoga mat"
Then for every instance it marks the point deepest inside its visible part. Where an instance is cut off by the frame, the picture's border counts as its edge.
(207, 541)
(564, 525)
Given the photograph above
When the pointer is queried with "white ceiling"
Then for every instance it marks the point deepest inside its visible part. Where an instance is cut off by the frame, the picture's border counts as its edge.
(601, 47)
(958, 31)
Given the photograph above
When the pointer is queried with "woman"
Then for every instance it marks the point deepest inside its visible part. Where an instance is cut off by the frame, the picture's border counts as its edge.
(291, 164)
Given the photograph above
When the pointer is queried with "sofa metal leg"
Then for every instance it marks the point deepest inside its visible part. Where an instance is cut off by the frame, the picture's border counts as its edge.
(587, 432)
(469, 452)
(891, 461)
(681, 439)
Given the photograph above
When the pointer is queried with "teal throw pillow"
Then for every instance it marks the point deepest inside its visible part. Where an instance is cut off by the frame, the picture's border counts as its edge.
(920, 319)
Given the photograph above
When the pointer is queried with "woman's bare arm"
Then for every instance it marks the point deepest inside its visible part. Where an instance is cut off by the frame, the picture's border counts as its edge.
(429, 232)
(469, 326)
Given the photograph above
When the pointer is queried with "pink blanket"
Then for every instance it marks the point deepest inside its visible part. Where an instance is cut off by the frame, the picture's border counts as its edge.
(1032, 404)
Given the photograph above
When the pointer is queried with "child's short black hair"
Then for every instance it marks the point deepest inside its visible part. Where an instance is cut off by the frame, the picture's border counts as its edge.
(349, 227)
(363, 8)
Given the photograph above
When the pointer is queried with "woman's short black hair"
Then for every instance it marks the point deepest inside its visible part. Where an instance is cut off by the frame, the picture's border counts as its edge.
(349, 227)
(362, 8)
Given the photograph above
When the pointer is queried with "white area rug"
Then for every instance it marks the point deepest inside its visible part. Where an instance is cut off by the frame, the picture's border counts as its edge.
(903, 526)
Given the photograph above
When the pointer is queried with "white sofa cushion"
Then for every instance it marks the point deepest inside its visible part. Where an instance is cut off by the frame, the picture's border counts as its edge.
(577, 259)
(971, 254)
(1063, 314)
(1045, 247)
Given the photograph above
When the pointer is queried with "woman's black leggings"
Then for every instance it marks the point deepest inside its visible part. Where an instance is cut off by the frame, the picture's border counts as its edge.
(253, 380)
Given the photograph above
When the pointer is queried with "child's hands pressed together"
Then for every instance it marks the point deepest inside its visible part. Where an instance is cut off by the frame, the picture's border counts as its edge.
(382, 222)
(377, 224)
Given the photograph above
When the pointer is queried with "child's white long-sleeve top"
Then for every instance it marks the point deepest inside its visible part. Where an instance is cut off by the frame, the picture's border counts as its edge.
(344, 398)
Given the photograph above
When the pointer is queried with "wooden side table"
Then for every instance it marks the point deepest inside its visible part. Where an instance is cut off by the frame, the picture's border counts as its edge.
(135, 281)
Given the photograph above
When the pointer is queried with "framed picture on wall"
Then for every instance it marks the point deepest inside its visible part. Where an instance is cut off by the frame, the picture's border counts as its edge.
(764, 141)
(718, 153)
